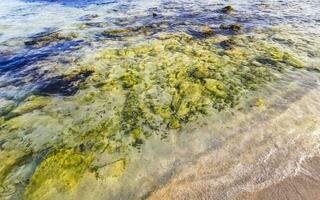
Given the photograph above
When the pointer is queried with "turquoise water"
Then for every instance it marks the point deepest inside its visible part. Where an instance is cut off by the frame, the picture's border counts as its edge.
(114, 99)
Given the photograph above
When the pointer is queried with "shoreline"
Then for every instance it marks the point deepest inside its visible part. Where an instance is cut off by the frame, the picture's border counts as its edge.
(303, 186)
(261, 164)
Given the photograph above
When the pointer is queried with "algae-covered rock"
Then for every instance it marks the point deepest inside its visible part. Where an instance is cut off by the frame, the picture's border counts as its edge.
(206, 30)
(289, 59)
(201, 72)
(227, 9)
(129, 79)
(189, 99)
(259, 102)
(9, 160)
(111, 171)
(117, 31)
(46, 39)
(117, 168)
(163, 111)
(174, 123)
(32, 103)
(60, 171)
(6, 106)
(229, 43)
(92, 25)
(216, 87)
(233, 27)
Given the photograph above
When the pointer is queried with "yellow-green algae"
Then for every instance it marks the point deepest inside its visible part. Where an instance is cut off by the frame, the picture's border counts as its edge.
(136, 91)
(59, 172)
(9, 159)
(32, 103)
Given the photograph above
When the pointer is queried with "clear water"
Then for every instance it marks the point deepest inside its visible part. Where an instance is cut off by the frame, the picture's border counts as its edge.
(56, 138)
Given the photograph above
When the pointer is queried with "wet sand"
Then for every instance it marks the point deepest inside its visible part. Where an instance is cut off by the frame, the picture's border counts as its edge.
(303, 186)
(279, 159)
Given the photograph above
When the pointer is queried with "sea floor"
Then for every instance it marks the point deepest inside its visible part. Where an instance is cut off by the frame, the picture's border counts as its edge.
(159, 99)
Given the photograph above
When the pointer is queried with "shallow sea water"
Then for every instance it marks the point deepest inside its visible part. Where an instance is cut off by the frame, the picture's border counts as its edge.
(156, 99)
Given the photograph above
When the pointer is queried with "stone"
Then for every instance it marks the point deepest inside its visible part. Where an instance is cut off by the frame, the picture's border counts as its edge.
(227, 9)
(207, 31)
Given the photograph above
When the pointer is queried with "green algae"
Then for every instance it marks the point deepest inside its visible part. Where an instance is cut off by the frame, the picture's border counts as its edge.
(290, 60)
(129, 79)
(117, 31)
(174, 123)
(60, 171)
(259, 102)
(32, 103)
(9, 160)
(117, 168)
(216, 87)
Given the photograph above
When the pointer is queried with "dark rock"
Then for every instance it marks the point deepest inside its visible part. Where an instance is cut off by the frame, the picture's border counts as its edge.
(81, 147)
(227, 9)
(207, 31)
(89, 17)
(232, 27)
(229, 43)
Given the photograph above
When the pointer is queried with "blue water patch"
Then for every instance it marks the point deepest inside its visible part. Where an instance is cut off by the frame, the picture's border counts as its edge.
(75, 3)
(13, 64)
(61, 85)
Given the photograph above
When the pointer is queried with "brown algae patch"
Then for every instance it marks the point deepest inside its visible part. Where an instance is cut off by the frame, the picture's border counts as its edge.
(134, 92)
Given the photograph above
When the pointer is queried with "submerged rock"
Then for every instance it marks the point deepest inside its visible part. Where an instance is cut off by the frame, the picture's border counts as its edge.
(215, 86)
(174, 123)
(289, 59)
(9, 160)
(89, 17)
(207, 31)
(46, 39)
(229, 43)
(259, 102)
(61, 171)
(93, 25)
(32, 103)
(227, 9)
(232, 27)
(6, 106)
(117, 31)
(129, 79)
